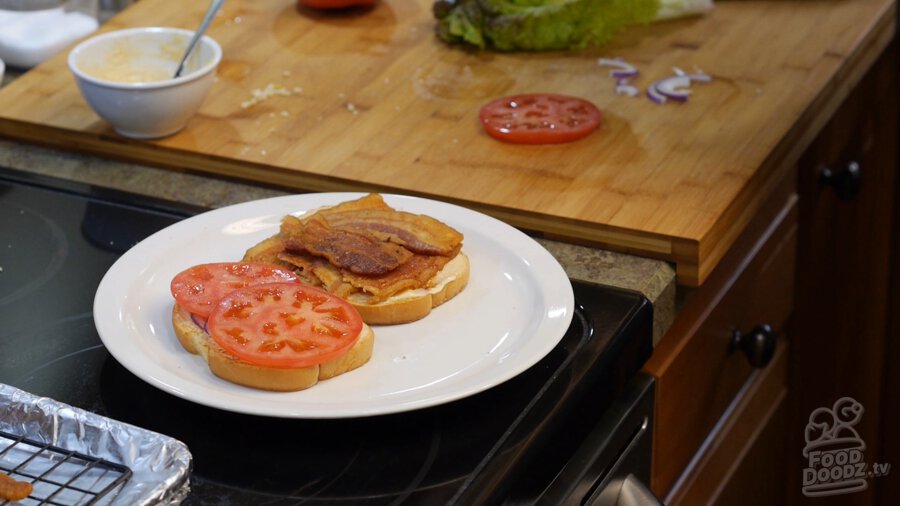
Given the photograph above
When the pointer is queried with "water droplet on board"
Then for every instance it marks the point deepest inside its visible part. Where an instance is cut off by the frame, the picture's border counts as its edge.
(460, 80)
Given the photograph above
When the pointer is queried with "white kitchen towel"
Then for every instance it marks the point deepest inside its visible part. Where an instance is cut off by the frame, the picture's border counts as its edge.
(29, 37)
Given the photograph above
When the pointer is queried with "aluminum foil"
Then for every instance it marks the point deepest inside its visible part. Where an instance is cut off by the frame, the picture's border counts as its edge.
(160, 465)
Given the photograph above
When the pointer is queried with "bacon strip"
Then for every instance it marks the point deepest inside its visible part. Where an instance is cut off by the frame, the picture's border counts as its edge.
(416, 273)
(359, 253)
(418, 233)
(364, 246)
(370, 201)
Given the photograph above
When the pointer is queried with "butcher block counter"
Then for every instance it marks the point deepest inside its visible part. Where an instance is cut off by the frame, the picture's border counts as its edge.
(372, 100)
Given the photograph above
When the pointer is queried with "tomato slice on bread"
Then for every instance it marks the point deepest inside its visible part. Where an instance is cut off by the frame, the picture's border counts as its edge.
(199, 288)
(539, 118)
(284, 325)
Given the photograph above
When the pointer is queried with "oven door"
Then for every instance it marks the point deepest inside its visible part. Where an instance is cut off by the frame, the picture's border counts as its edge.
(613, 464)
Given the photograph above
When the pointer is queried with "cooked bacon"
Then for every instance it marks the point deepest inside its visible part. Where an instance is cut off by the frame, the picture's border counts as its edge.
(292, 226)
(290, 232)
(318, 272)
(267, 252)
(358, 253)
(416, 273)
(303, 265)
(365, 246)
(12, 489)
(370, 201)
(416, 232)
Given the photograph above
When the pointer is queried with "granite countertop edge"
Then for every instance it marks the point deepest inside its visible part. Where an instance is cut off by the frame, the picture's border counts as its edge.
(654, 279)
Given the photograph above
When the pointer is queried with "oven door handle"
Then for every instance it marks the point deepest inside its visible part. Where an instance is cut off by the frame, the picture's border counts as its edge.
(635, 493)
(609, 466)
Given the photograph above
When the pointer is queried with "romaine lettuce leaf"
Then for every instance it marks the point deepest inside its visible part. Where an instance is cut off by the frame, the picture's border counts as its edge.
(536, 25)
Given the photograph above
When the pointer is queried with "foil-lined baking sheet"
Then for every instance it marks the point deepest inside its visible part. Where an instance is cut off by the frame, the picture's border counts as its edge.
(160, 465)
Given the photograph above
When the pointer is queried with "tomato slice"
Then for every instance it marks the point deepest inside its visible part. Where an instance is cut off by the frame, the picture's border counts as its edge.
(200, 287)
(284, 325)
(539, 118)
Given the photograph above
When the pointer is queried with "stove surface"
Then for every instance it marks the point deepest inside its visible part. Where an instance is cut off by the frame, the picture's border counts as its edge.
(59, 238)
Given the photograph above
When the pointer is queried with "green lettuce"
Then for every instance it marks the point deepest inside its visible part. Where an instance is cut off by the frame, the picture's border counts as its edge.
(536, 25)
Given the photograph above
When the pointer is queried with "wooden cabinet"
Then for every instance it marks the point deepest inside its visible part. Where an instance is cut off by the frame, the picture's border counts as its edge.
(840, 345)
(703, 382)
(820, 264)
(741, 461)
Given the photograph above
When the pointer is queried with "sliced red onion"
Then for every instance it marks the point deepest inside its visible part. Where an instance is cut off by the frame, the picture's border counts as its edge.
(622, 69)
(619, 74)
(654, 95)
(200, 321)
(674, 87)
(700, 77)
(623, 88)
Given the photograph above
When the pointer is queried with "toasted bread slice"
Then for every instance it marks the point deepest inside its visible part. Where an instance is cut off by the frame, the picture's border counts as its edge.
(226, 366)
(411, 305)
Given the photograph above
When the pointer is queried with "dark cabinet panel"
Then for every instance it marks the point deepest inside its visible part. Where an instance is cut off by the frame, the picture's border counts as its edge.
(846, 183)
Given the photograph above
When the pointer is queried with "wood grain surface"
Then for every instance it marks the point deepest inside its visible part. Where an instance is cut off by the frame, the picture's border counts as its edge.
(378, 103)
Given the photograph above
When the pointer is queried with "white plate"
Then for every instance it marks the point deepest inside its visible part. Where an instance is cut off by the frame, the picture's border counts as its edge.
(516, 308)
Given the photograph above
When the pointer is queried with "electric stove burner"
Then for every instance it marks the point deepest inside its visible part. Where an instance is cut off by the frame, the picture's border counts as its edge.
(34, 250)
(38, 263)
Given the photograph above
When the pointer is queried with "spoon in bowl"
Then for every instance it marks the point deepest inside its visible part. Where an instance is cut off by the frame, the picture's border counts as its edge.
(207, 19)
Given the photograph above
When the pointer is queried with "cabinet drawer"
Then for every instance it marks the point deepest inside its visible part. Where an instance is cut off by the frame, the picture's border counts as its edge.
(698, 372)
(742, 460)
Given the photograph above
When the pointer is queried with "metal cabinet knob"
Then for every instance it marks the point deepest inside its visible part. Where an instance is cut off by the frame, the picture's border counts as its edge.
(758, 345)
(844, 181)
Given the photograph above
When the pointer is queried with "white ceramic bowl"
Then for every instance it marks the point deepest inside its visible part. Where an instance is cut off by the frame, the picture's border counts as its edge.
(126, 78)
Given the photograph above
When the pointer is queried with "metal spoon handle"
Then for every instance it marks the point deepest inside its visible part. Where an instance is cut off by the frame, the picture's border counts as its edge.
(207, 19)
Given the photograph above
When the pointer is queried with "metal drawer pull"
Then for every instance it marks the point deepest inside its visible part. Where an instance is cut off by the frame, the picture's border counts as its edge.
(758, 345)
(845, 182)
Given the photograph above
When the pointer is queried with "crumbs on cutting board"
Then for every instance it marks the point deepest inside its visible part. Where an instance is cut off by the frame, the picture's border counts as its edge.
(259, 95)
(262, 94)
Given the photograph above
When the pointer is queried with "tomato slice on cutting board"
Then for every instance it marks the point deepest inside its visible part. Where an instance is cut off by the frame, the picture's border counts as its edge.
(199, 288)
(539, 118)
(284, 325)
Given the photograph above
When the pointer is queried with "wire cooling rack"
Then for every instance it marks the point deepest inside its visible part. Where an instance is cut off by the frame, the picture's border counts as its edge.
(59, 477)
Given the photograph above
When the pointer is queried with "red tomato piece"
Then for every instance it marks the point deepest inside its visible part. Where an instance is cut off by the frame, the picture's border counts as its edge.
(539, 118)
(199, 288)
(284, 325)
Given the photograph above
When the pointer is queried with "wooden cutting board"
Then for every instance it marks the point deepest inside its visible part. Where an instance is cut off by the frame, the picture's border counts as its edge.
(374, 101)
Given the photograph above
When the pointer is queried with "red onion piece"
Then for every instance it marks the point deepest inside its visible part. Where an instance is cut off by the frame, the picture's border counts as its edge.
(654, 95)
(699, 77)
(674, 87)
(621, 68)
(620, 74)
(199, 321)
(623, 88)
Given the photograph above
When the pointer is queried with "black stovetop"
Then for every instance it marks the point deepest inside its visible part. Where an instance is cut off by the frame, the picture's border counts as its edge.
(58, 238)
